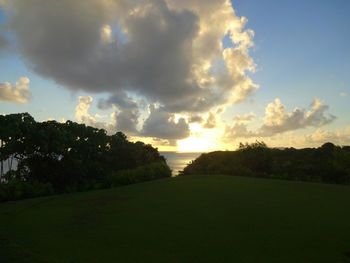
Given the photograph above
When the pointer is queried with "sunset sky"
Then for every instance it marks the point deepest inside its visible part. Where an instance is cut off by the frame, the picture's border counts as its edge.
(183, 75)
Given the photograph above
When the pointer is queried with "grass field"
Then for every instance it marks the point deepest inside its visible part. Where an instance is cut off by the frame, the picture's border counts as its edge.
(188, 219)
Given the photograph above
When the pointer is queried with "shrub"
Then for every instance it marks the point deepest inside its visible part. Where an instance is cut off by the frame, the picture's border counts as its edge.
(140, 174)
(16, 189)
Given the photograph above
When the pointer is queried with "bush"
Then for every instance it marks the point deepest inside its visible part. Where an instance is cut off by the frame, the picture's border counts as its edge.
(16, 189)
(140, 174)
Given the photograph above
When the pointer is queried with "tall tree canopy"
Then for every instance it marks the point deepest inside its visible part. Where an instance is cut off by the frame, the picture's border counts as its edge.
(69, 156)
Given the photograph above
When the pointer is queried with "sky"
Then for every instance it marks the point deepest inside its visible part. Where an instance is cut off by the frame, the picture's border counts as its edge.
(183, 75)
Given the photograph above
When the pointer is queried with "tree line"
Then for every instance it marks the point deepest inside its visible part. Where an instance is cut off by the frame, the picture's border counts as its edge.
(328, 163)
(53, 157)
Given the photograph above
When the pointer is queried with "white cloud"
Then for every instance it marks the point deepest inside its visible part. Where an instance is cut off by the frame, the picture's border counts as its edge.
(18, 93)
(278, 120)
(82, 115)
(82, 110)
(246, 118)
(238, 62)
(339, 137)
(238, 130)
(314, 138)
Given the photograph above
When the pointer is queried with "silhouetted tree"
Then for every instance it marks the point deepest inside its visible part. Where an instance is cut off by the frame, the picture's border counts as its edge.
(68, 156)
(328, 163)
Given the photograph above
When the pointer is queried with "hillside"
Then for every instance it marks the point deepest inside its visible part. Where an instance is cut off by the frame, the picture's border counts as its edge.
(184, 219)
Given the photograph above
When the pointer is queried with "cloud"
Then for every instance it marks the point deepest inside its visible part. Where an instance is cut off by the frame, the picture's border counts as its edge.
(119, 99)
(161, 124)
(82, 110)
(3, 42)
(164, 51)
(238, 62)
(211, 121)
(343, 94)
(278, 120)
(126, 113)
(340, 137)
(195, 118)
(127, 121)
(239, 130)
(82, 115)
(246, 118)
(317, 137)
(18, 93)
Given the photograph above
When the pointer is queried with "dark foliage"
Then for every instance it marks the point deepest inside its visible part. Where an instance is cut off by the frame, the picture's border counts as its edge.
(67, 156)
(16, 189)
(328, 163)
(144, 173)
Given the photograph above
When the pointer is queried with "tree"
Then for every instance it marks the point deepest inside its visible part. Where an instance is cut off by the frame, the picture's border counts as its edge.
(13, 131)
(69, 156)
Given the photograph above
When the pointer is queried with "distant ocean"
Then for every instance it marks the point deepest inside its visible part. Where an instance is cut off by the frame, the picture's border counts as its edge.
(178, 161)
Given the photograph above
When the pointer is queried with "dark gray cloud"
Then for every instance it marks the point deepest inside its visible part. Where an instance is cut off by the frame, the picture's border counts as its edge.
(151, 48)
(119, 99)
(127, 121)
(159, 124)
(195, 118)
(65, 44)
(3, 42)
(126, 113)
(162, 52)
(60, 38)
(162, 124)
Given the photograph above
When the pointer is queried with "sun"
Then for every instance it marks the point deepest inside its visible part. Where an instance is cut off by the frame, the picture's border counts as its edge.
(200, 140)
(193, 144)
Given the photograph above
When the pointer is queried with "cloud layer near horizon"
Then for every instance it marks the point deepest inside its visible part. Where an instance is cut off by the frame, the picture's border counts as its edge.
(277, 120)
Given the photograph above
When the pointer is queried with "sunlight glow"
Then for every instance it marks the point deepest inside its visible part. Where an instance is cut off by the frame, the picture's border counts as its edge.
(201, 140)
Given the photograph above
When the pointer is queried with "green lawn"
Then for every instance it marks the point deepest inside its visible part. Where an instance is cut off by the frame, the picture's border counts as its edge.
(189, 219)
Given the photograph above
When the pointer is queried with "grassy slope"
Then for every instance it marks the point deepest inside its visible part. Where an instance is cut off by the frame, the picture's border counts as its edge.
(193, 219)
